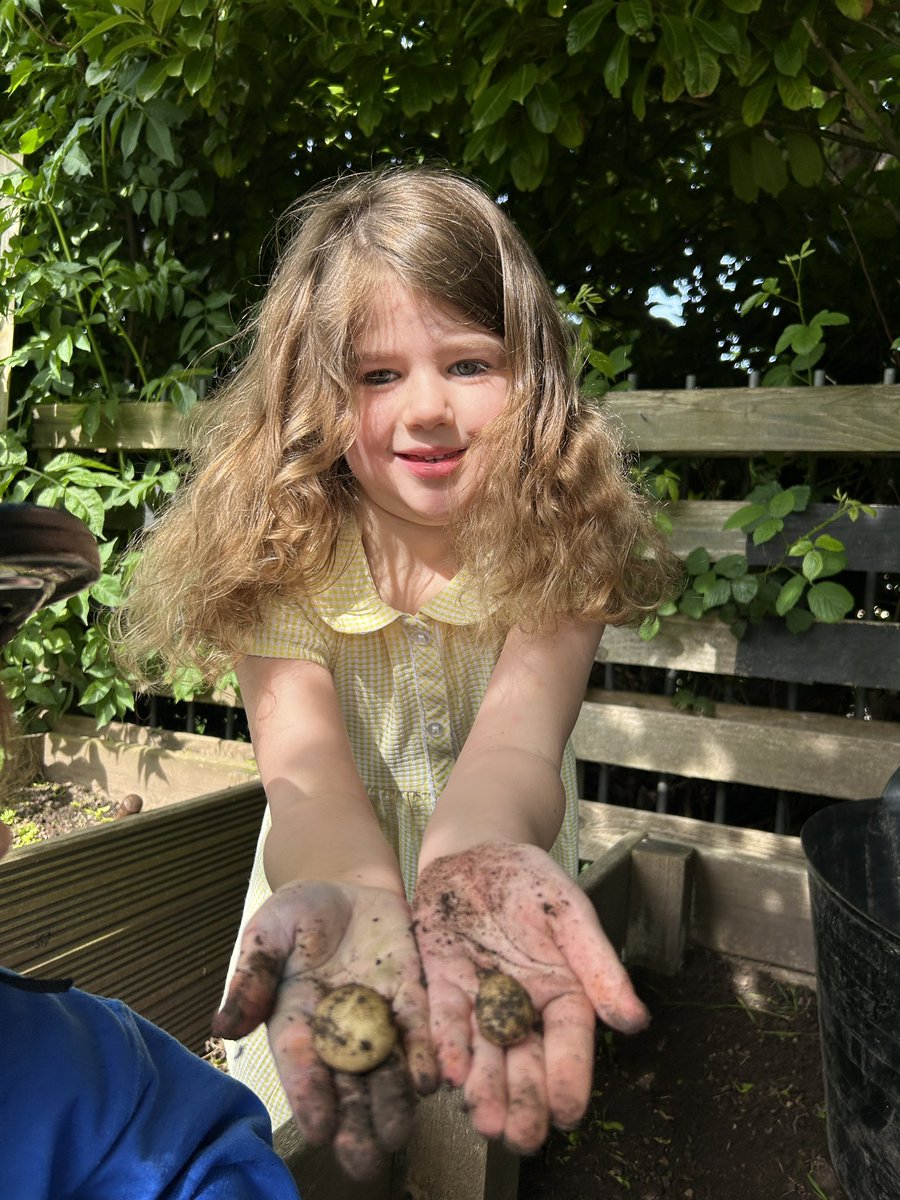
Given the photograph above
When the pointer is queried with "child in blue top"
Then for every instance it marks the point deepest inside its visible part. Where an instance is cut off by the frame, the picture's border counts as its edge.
(95, 1102)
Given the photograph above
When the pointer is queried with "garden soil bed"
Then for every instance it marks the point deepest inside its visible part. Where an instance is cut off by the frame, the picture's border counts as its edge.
(42, 810)
(722, 1096)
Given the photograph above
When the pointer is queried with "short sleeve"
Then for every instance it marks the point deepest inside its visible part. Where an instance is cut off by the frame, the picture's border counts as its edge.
(294, 630)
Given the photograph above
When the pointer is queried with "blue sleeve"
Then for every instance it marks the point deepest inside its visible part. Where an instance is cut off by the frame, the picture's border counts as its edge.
(106, 1106)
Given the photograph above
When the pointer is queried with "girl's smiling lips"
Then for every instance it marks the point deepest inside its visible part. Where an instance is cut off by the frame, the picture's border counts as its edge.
(430, 463)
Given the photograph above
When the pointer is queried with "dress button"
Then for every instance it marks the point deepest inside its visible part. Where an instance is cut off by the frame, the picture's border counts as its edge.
(434, 729)
(421, 636)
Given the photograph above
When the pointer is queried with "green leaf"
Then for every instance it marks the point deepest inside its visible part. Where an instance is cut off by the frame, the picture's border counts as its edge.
(795, 91)
(804, 158)
(543, 106)
(615, 71)
(801, 546)
(798, 620)
(692, 605)
(198, 68)
(701, 70)
(757, 101)
(769, 169)
(152, 79)
(830, 318)
(584, 26)
(719, 593)
(826, 542)
(801, 493)
(813, 564)
(854, 9)
(781, 504)
(802, 339)
(159, 139)
(649, 628)
(721, 36)
(494, 102)
(829, 602)
(633, 16)
(745, 589)
(740, 170)
(766, 530)
(743, 6)
(732, 566)
(697, 562)
(745, 516)
(789, 595)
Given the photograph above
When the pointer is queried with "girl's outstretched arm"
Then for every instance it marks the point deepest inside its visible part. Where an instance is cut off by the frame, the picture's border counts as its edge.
(489, 897)
(337, 915)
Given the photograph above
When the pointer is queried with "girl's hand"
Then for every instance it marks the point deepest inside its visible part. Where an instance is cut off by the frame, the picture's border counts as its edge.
(305, 940)
(511, 908)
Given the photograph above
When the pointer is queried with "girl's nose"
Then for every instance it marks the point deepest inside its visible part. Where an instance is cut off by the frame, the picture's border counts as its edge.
(427, 404)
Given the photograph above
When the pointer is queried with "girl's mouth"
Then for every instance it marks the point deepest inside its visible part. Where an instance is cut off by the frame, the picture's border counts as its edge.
(431, 466)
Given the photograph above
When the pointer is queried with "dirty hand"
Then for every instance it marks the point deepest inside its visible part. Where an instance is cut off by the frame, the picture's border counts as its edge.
(305, 940)
(511, 908)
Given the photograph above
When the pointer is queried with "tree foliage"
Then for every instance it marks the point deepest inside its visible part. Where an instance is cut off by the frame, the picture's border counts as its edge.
(641, 143)
(685, 145)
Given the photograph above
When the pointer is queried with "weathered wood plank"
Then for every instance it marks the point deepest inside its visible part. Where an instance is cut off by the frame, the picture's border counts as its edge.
(606, 883)
(710, 421)
(851, 653)
(447, 1160)
(118, 907)
(660, 896)
(160, 765)
(750, 889)
(156, 426)
(872, 543)
(799, 752)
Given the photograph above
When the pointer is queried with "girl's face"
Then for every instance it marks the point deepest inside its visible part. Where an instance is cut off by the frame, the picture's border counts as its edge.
(428, 382)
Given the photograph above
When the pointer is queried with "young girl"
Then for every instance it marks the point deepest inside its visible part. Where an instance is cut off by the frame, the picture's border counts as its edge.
(407, 532)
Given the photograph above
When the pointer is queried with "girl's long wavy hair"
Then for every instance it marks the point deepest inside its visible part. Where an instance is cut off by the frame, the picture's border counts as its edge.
(555, 527)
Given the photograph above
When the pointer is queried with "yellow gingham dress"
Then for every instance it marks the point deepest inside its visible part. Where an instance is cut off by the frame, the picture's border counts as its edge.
(409, 688)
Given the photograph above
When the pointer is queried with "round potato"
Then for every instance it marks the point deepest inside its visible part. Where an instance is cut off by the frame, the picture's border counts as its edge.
(353, 1029)
(503, 1009)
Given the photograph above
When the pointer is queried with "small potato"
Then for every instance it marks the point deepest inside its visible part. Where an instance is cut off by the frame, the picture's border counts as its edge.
(503, 1010)
(353, 1029)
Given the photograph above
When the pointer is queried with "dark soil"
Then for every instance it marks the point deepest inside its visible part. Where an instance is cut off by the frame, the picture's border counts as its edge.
(42, 810)
(722, 1096)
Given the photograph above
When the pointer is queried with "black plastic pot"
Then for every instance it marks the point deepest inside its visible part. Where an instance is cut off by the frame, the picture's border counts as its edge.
(853, 855)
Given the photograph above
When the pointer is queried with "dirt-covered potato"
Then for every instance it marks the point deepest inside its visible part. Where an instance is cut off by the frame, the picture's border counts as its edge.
(353, 1029)
(503, 1009)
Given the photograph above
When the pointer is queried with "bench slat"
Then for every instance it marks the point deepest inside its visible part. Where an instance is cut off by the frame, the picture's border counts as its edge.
(851, 653)
(799, 752)
(725, 421)
(872, 543)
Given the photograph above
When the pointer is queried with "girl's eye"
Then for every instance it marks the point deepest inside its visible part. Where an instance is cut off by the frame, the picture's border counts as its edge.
(379, 378)
(468, 367)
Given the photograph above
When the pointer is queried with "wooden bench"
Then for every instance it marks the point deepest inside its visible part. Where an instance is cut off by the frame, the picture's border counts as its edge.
(775, 748)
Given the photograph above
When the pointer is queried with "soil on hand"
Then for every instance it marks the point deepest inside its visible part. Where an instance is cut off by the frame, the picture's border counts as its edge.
(721, 1096)
(42, 810)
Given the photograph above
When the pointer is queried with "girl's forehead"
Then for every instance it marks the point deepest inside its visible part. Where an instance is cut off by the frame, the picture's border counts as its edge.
(395, 303)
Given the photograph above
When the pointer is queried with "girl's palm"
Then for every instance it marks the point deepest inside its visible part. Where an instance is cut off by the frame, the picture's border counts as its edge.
(512, 908)
(305, 940)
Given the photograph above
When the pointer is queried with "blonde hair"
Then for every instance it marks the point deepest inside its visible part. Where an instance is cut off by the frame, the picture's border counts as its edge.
(554, 528)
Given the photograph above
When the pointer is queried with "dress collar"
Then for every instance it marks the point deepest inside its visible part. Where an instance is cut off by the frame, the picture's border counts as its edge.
(350, 603)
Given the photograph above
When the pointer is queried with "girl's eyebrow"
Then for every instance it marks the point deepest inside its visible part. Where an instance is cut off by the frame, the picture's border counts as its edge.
(455, 343)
